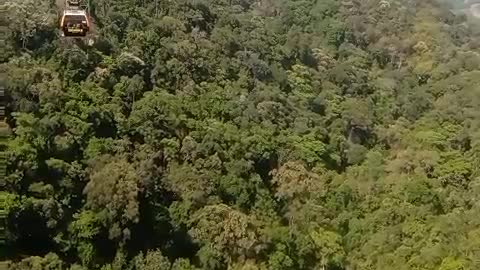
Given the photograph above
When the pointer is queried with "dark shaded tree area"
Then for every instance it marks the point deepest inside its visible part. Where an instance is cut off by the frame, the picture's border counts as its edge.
(245, 134)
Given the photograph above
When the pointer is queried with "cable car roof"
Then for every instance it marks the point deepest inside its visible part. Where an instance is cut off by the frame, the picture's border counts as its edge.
(75, 12)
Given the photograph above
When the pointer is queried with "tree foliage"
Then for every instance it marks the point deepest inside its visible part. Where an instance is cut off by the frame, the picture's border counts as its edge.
(244, 134)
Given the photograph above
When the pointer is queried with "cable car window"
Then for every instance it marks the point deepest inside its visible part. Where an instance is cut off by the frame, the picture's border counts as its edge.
(75, 18)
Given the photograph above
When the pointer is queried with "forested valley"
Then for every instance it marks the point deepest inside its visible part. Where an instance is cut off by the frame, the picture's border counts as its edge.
(244, 135)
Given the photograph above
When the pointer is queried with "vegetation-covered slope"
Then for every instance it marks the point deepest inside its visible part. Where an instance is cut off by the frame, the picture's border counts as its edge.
(245, 134)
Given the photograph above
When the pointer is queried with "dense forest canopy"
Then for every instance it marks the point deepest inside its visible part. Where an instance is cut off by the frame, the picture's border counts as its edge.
(244, 135)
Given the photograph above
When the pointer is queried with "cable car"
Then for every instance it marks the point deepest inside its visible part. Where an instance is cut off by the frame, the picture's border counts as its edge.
(73, 2)
(75, 23)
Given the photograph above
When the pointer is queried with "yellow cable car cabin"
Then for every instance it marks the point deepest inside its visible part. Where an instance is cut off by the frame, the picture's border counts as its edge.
(75, 23)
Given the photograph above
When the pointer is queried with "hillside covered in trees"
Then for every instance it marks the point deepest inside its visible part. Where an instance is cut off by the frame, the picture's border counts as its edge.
(244, 135)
